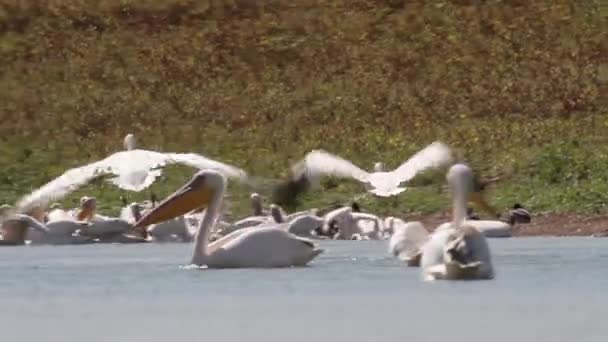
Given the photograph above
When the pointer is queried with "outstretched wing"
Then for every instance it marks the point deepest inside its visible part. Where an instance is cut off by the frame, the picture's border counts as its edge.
(201, 162)
(135, 170)
(434, 155)
(60, 186)
(138, 169)
(318, 163)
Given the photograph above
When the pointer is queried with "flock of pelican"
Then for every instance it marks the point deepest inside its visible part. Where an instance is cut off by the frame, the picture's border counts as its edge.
(269, 237)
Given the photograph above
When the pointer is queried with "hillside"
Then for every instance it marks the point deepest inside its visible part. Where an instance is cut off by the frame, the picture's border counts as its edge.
(518, 87)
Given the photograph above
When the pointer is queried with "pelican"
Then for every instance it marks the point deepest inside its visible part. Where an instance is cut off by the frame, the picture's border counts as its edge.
(407, 240)
(345, 224)
(457, 250)
(302, 223)
(54, 233)
(269, 246)
(174, 230)
(499, 228)
(134, 170)
(339, 224)
(276, 216)
(379, 183)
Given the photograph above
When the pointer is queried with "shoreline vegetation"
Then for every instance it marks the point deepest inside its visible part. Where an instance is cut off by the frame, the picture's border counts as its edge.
(518, 88)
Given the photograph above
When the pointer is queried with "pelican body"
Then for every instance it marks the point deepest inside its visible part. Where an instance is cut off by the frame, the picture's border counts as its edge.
(269, 246)
(457, 250)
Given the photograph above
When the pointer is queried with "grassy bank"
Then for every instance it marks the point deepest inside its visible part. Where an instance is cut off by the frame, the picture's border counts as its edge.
(517, 87)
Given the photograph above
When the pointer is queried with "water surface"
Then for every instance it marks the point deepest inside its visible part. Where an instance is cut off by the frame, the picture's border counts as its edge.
(546, 289)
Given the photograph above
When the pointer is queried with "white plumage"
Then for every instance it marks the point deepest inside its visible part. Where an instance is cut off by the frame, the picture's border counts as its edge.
(133, 169)
(318, 162)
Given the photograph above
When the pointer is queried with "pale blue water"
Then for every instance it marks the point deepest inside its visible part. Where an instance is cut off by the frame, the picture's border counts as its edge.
(547, 289)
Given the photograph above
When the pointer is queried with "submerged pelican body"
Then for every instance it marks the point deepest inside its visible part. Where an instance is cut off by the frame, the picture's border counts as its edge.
(457, 250)
(268, 246)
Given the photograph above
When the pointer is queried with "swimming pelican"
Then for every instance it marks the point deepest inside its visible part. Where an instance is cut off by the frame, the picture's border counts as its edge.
(407, 240)
(457, 250)
(255, 247)
(317, 163)
(134, 170)
(20, 227)
(499, 228)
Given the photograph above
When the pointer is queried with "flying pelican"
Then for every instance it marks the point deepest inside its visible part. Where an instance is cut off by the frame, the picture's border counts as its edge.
(134, 170)
(457, 250)
(270, 246)
(380, 183)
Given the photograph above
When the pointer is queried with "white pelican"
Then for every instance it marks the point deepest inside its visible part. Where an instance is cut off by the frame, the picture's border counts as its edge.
(53, 233)
(276, 215)
(339, 224)
(304, 225)
(457, 250)
(407, 240)
(345, 224)
(498, 228)
(256, 247)
(369, 225)
(317, 163)
(132, 169)
(174, 230)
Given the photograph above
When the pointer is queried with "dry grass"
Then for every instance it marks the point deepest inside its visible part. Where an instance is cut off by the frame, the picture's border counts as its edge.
(519, 87)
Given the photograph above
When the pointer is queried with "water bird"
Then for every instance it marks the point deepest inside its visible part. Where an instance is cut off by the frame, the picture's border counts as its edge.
(380, 183)
(268, 246)
(133, 169)
(457, 250)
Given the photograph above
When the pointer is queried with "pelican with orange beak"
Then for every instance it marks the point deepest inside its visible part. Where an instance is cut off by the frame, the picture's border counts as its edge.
(457, 249)
(267, 246)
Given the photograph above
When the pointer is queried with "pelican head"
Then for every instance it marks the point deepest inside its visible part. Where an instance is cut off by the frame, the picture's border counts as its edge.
(129, 142)
(461, 181)
(196, 195)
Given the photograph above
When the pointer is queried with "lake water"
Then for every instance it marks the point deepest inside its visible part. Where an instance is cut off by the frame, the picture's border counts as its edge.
(546, 289)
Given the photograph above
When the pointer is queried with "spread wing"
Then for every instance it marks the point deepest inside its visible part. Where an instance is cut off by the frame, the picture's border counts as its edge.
(434, 155)
(60, 186)
(134, 170)
(318, 163)
(200, 162)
